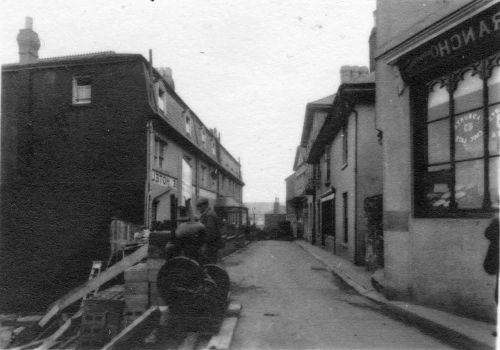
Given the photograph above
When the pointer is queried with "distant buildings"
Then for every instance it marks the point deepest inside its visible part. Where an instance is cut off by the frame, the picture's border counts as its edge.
(88, 138)
(405, 160)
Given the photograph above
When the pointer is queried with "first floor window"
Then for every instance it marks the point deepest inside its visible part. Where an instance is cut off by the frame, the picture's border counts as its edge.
(457, 140)
(81, 90)
(160, 153)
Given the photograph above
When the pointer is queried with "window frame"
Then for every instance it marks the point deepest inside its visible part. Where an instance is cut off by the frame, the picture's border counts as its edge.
(75, 91)
(419, 94)
(159, 153)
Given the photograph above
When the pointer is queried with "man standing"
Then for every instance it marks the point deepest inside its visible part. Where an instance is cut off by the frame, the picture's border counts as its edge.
(213, 240)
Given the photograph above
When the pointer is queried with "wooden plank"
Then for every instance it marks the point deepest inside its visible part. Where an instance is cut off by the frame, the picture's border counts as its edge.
(222, 340)
(51, 341)
(148, 319)
(29, 345)
(189, 342)
(94, 283)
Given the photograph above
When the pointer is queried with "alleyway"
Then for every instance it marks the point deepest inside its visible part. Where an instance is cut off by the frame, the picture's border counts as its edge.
(290, 301)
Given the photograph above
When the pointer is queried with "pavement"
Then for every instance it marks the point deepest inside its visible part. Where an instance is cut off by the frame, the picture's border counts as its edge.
(465, 332)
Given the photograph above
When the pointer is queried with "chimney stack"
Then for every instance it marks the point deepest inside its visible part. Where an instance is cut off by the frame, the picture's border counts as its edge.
(353, 74)
(166, 73)
(28, 42)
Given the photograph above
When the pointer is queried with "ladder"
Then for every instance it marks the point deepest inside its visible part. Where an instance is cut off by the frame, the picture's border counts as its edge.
(95, 271)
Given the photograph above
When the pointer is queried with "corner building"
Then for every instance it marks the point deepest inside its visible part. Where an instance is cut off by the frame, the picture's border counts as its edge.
(86, 139)
(438, 105)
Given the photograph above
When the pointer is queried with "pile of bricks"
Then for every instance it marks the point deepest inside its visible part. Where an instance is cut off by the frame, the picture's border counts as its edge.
(136, 292)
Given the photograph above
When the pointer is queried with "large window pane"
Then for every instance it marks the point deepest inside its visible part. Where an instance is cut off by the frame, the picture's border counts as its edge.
(494, 86)
(437, 186)
(439, 141)
(469, 186)
(468, 94)
(469, 140)
(438, 102)
(494, 125)
(494, 164)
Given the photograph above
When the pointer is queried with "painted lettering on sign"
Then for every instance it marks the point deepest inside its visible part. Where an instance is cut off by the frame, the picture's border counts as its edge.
(481, 29)
(469, 131)
(163, 180)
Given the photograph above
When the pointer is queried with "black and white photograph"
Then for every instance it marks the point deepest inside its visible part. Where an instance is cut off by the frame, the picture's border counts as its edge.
(249, 175)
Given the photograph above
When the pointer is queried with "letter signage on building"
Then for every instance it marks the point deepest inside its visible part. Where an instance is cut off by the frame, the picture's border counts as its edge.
(481, 31)
(163, 180)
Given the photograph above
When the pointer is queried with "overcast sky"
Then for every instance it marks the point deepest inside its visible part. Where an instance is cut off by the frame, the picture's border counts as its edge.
(247, 68)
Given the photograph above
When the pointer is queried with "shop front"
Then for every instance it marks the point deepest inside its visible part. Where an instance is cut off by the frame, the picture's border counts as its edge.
(442, 156)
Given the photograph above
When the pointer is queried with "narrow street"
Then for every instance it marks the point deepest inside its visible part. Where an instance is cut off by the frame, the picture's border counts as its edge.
(290, 301)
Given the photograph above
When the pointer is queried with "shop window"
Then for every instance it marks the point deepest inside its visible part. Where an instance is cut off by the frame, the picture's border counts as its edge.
(457, 167)
(82, 87)
(160, 154)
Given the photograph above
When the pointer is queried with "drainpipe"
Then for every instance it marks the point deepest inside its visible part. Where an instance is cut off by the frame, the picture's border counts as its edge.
(356, 137)
(149, 169)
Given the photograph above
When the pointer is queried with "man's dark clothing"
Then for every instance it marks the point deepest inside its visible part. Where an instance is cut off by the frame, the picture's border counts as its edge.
(490, 263)
(213, 236)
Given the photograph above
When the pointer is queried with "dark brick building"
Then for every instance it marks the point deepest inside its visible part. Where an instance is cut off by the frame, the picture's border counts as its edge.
(86, 138)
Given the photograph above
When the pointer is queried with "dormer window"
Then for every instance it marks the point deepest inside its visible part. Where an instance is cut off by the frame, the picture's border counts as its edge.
(203, 136)
(81, 90)
(189, 124)
(162, 98)
(212, 146)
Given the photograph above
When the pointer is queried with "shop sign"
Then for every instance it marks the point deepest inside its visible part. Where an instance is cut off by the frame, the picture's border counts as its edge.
(482, 29)
(163, 180)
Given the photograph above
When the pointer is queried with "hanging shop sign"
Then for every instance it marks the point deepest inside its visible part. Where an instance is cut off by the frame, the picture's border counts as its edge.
(163, 180)
(457, 44)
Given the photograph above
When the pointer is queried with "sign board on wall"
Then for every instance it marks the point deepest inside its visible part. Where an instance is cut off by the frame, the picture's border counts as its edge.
(163, 180)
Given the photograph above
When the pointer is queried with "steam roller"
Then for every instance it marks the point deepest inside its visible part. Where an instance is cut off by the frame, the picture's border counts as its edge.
(196, 293)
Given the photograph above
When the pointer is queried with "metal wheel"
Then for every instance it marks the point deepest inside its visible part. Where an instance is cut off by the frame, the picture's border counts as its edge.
(179, 280)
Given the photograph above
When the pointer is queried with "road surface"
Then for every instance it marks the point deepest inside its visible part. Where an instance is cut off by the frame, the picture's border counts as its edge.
(290, 301)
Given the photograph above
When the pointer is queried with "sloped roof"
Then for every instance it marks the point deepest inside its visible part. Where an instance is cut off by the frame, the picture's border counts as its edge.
(299, 157)
(322, 103)
(328, 100)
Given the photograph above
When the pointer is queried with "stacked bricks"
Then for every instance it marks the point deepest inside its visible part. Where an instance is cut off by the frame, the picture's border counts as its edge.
(136, 293)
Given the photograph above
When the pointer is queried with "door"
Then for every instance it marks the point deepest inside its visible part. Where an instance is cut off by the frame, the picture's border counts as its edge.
(327, 220)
